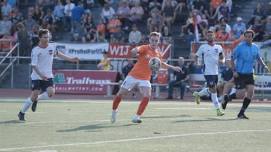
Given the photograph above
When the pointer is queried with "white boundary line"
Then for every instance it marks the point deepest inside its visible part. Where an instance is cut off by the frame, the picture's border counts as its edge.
(133, 139)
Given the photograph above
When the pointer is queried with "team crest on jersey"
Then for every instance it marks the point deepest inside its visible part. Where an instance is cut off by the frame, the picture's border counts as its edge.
(51, 52)
(216, 50)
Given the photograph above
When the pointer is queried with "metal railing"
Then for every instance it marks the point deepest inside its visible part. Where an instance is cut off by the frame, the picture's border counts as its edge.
(10, 64)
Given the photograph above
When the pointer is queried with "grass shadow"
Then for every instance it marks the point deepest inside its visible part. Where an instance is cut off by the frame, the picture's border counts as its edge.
(206, 120)
(165, 116)
(95, 127)
(11, 122)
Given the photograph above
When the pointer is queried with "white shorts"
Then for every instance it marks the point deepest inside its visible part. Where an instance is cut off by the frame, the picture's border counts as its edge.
(130, 82)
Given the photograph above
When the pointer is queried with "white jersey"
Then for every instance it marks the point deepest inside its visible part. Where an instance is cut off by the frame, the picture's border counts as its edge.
(210, 58)
(42, 58)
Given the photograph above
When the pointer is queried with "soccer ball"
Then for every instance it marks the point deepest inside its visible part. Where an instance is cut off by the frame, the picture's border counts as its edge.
(154, 63)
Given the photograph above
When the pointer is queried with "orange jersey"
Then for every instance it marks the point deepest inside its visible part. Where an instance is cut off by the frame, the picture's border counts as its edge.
(141, 70)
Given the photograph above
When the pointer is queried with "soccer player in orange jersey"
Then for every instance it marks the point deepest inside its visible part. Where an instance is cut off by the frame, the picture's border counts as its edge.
(140, 76)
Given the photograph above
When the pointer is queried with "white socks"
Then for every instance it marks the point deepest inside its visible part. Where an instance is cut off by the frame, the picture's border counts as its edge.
(26, 105)
(43, 96)
(215, 100)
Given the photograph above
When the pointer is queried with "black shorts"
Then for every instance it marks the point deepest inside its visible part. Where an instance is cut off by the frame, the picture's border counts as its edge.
(211, 80)
(42, 84)
(243, 80)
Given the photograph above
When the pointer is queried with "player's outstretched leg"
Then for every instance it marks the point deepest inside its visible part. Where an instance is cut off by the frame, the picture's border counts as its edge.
(25, 107)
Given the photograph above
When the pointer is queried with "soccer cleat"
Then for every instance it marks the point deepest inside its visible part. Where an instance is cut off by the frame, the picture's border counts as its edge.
(197, 97)
(21, 116)
(219, 112)
(136, 119)
(34, 106)
(242, 116)
(114, 116)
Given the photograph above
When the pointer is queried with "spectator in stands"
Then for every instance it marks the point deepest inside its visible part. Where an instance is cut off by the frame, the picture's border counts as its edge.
(29, 22)
(68, 14)
(59, 15)
(114, 29)
(123, 12)
(101, 38)
(180, 80)
(5, 26)
(6, 8)
(215, 3)
(258, 27)
(154, 5)
(168, 12)
(224, 21)
(166, 36)
(78, 33)
(77, 13)
(156, 20)
(200, 5)
(105, 63)
(38, 14)
(88, 4)
(15, 15)
(24, 40)
(209, 13)
(268, 28)
(222, 35)
(258, 11)
(137, 13)
(135, 35)
(181, 13)
(222, 11)
(48, 22)
(107, 13)
(35, 36)
(238, 28)
(89, 28)
(203, 28)
(188, 28)
(48, 17)
(101, 31)
(229, 4)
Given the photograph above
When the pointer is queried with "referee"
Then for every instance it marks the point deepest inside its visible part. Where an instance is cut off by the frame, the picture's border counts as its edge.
(243, 59)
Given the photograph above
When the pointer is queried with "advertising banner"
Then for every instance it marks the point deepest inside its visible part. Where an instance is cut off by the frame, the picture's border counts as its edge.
(124, 50)
(83, 51)
(86, 82)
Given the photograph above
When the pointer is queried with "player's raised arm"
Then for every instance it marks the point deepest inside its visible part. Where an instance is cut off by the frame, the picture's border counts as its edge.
(67, 58)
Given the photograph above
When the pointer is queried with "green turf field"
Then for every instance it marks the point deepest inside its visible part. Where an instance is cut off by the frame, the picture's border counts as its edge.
(167, 127)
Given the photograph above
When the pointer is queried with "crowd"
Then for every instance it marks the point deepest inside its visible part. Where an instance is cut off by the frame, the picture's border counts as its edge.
(128, 21)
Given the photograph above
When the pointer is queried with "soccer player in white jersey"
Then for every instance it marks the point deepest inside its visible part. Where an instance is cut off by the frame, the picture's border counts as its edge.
(42, 76)
(211, 55)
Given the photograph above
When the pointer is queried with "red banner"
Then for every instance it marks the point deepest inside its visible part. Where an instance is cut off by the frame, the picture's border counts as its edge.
(83, 81)
(124, 50)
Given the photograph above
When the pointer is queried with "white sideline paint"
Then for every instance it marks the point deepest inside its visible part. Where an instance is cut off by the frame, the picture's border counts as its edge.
(134, 139)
